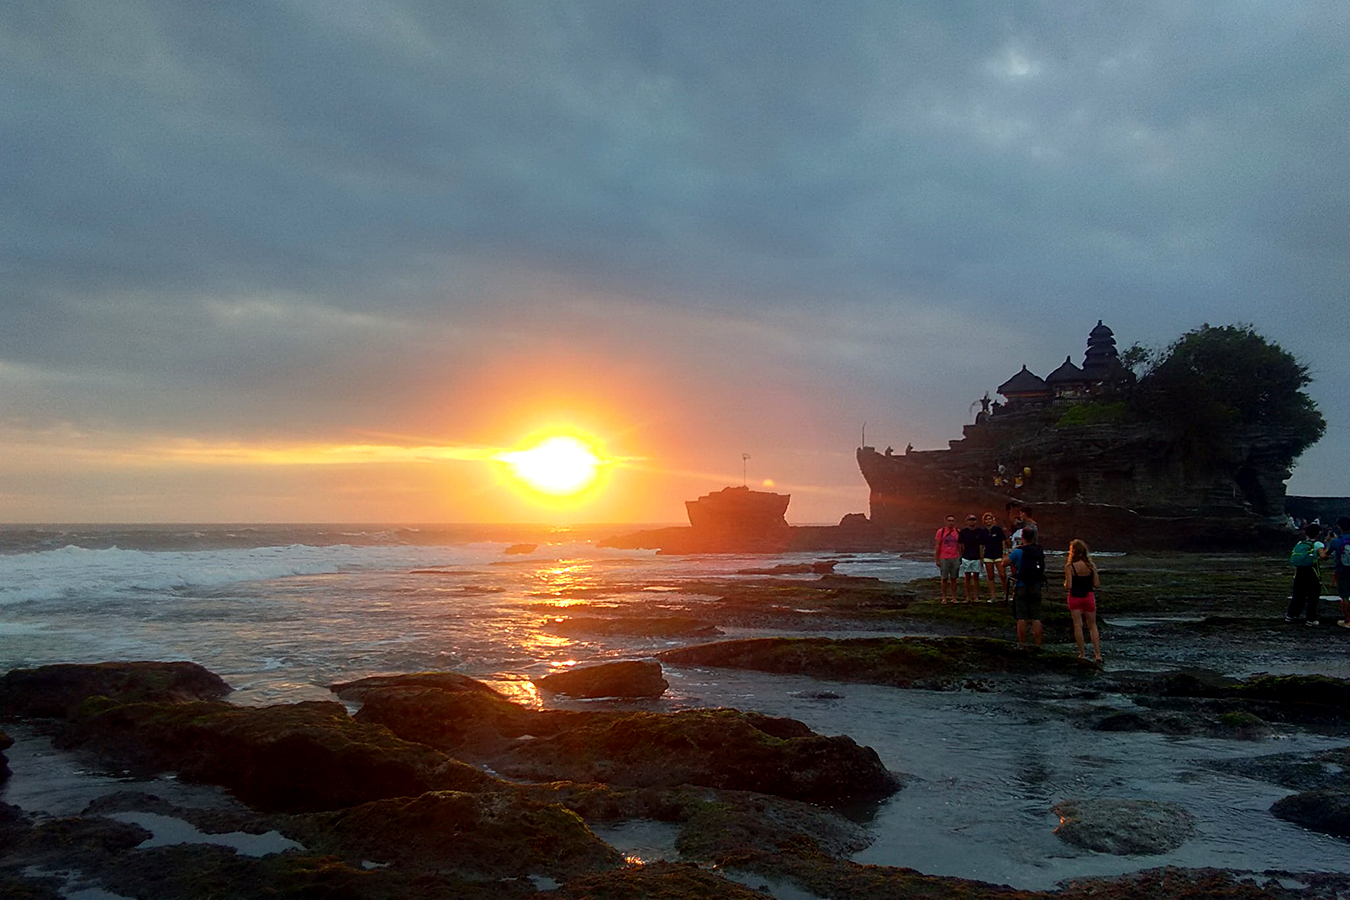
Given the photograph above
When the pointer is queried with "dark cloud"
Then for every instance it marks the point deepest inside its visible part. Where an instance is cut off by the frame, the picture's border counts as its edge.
(243, 215)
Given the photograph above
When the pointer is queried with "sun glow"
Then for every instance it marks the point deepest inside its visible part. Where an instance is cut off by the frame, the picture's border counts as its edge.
(560, 466)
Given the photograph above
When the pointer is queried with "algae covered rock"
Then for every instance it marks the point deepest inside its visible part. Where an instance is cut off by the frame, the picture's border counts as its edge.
(627, 678)
(53, 691)
(1124, 827)
(658, 881)
(450, 682)
(1326, 810)
(496, 835)
(295, 757)
(902, 662)
(721, 748)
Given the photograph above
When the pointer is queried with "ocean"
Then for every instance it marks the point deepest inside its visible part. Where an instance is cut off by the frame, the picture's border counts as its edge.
(281, 612)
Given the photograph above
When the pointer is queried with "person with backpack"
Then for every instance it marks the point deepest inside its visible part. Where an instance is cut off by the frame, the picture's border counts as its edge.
(1339, 551)
(1305, 557)
(1028, 565)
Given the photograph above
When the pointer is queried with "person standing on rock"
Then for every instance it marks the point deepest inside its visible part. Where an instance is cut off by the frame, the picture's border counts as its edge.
(947, 555)
(1307, 590)
(1028, 565)
(995, 547)
(1339, 551)
(1080, 582)
(972, 539)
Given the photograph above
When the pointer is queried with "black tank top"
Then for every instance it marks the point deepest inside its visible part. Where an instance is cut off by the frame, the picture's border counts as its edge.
(1080, 585)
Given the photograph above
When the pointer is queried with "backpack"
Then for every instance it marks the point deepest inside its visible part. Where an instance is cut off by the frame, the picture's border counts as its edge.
(1344, 560)
(1032, 569)
(1304, 554)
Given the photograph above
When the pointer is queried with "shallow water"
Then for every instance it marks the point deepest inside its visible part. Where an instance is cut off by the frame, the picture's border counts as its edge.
(281, 614)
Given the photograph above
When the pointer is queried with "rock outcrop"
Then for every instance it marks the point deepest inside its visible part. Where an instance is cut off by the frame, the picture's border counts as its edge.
(1124, 827)
(53, 691)
(627, 678)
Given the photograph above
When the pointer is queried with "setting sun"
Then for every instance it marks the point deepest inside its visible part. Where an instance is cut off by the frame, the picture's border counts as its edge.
(559, 465)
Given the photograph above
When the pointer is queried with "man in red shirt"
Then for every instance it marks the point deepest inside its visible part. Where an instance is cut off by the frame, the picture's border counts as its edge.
(947, 556)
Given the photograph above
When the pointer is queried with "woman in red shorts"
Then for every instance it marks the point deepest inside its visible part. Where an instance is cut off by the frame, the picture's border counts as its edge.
(1080, 580)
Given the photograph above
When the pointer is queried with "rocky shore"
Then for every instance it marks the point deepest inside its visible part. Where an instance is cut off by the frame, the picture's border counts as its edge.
(436, 785)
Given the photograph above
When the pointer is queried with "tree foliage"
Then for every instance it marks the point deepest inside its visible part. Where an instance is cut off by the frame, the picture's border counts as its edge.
(1216, 382)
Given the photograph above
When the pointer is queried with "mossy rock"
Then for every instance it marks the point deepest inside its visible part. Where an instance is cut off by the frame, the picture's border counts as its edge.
(497, 835)
(295, 757)
(1326, 810)
(720, 748)
(901, 662)
(658, 881)
(53, 691)
(1320, 690)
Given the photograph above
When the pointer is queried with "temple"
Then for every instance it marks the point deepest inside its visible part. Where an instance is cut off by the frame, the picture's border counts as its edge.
(1065, 445)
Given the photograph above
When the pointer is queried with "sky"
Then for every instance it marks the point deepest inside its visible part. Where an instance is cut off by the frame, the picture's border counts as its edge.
(324, 261)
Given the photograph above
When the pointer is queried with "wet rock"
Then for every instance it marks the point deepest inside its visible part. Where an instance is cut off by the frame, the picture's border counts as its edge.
(470, 835)
(628, 678)
(1206, 719)
(823, 567)
(53, 691)
(720, 748)
(1172, 883)
(924, 662)
(297, 757)
(714, 825)
(641, 626)
(658, 881)
(520, 549)
(196, 871)
(5, 743)
(1124, 827)
(806, 875)
(450, 682)
(466, 724)
(1327, 811)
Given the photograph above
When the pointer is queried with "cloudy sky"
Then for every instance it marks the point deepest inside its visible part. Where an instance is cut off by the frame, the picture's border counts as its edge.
(295, 261)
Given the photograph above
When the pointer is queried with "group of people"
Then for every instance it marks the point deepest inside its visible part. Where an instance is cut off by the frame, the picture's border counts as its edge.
(984, 545)
(1316, 546)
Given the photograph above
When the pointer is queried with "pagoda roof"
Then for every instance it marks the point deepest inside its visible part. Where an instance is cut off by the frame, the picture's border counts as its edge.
(1101, 331)
(1068, 373)
(1024, 382)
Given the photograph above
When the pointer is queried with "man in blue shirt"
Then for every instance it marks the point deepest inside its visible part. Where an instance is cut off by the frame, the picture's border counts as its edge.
(1028, 565)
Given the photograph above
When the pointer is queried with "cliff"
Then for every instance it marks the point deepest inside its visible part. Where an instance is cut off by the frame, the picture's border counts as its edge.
(1120, 484)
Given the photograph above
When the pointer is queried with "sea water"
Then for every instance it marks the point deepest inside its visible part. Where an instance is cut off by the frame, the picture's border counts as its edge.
(282, 612)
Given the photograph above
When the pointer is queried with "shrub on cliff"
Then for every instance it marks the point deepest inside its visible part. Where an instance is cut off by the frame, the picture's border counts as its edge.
(1216, 382)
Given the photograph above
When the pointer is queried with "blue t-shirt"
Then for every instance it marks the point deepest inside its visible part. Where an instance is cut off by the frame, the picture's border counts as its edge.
(1015, 560)
(1334, 551)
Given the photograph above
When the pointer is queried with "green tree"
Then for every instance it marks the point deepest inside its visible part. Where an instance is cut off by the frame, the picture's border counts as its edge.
(1216, 382)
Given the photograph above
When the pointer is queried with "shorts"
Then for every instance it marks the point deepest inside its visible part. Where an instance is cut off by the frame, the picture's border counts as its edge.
(1343, 582)
(1027, 602)
(1084, 604)
(992, 562)
(971, 567)
(948, 568)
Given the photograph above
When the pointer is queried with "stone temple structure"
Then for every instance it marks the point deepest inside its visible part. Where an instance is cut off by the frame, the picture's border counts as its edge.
(1063, 445)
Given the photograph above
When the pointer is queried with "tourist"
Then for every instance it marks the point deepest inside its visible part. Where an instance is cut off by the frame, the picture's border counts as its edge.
(1305, 557)
(947, 555)
(972, 539)
(1028, 566)
(995, 548)
(1081, 581)
(1339, 551)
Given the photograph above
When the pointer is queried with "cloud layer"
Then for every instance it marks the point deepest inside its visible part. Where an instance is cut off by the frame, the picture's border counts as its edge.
(707, 228)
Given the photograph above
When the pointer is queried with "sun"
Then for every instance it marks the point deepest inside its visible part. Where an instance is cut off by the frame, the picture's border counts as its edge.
(560, 466)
